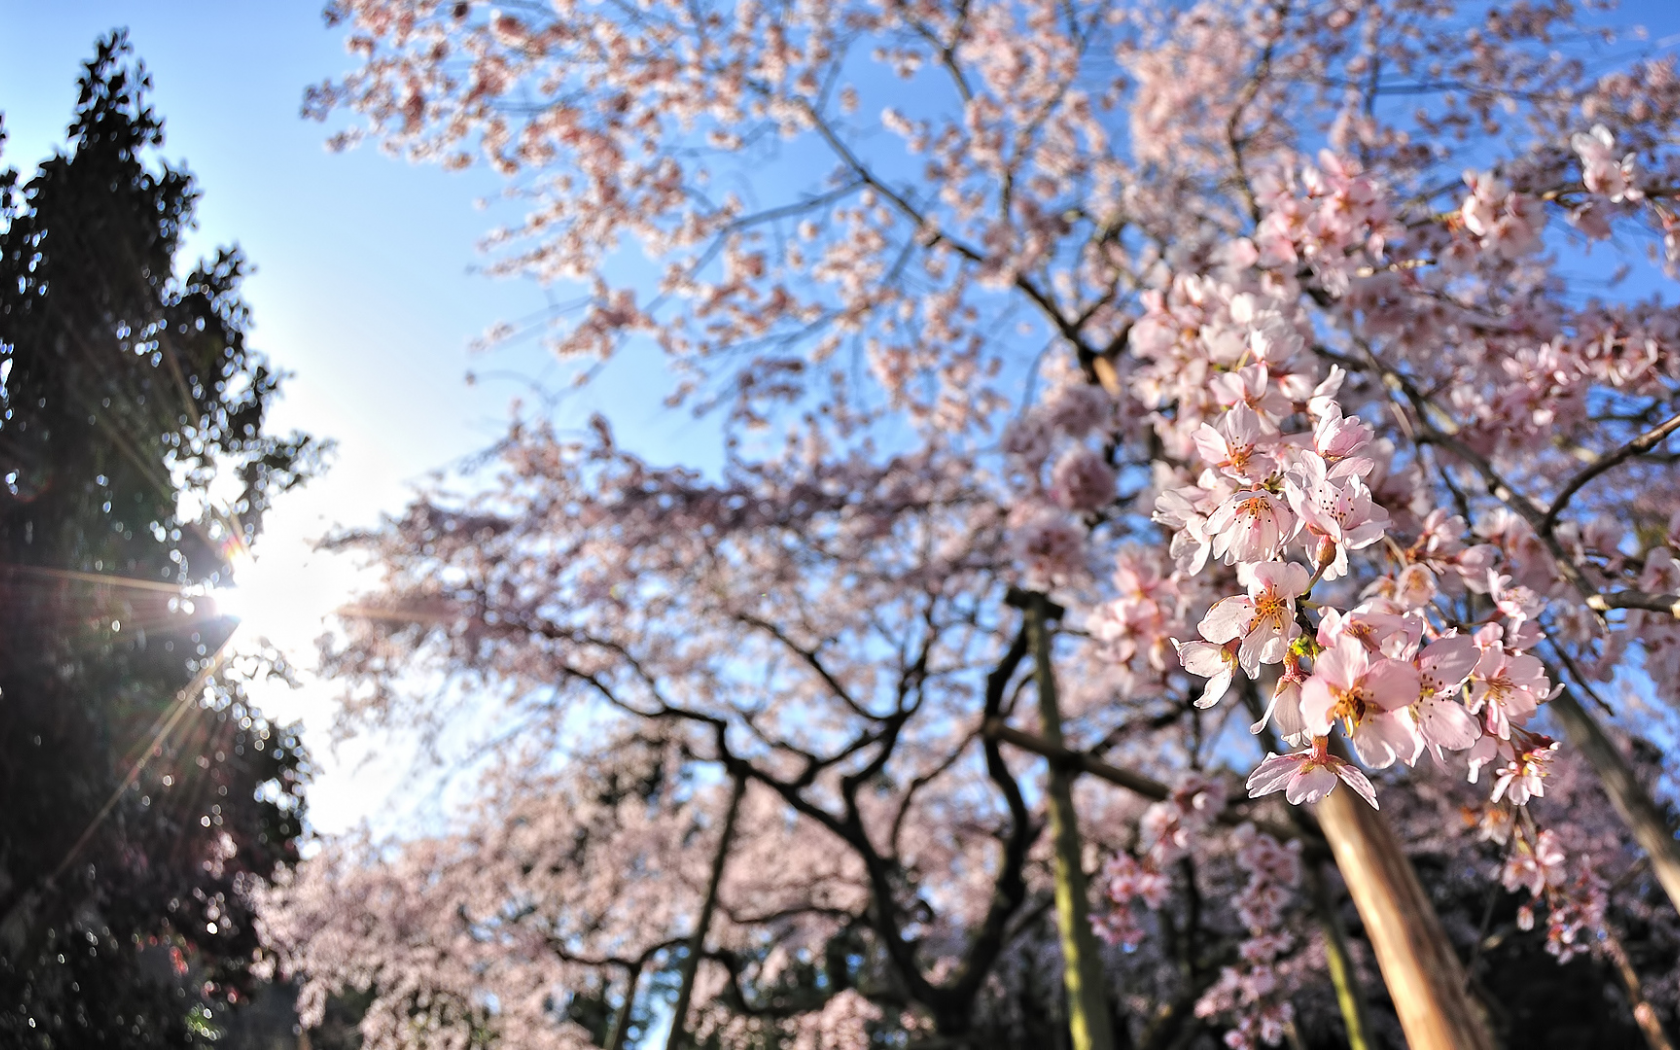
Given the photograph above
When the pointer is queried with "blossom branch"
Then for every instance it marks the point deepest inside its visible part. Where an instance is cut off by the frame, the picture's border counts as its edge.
(1638, 446)
(1437, 428)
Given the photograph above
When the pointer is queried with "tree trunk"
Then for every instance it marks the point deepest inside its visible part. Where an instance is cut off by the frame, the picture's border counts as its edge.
(1088, 1019)
(1423, 974)
(1629, 797)
(697, 941)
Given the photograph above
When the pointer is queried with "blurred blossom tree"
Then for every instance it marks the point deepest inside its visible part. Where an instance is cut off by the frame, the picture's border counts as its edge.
(144, 795)
(1096, 380)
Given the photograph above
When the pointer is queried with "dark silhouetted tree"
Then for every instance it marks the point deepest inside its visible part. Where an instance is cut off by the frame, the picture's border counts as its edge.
(143, 792)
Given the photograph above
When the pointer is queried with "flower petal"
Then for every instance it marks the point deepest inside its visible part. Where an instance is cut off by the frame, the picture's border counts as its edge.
(1311, 783)
(1444, 723)
(1227, 619)
(1392, 684)
(1445, 664)
(1216, 688)
(1382, 738)
(1353, 778)
(1273, 773)
(1318, 705)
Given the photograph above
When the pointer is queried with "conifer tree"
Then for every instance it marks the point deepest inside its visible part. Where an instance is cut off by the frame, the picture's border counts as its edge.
(142, 790)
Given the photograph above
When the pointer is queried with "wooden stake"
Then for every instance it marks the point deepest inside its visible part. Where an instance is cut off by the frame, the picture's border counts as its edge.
(1349, 998)
(620, 1034)
(1423, 974)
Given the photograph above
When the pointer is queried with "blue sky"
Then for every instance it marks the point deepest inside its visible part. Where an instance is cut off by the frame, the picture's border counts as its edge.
(363, 289)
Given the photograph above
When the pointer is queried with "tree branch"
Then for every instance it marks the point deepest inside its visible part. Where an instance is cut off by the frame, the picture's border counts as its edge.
(1638, 446)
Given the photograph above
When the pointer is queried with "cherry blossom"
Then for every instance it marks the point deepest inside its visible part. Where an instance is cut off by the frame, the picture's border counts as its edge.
(1250, 526)
(1508, 688)
(1262, 623)
(1601, 171)
(1307, 776)
(1229, 447)
(1443, 668)
(1216, 663)
(1369, 696)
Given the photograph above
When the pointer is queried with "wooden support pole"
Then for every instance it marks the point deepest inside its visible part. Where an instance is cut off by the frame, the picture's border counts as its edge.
(1425, 980)
(1088, 1019)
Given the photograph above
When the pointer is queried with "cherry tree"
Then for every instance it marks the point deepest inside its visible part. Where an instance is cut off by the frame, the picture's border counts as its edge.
(1219, 408)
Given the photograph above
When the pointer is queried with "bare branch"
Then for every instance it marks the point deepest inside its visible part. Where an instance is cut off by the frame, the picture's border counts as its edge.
(1638, 446)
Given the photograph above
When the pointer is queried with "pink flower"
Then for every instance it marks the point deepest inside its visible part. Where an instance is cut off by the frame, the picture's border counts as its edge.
(1339, 441)
(1272, 339)
(1077, 409)
(1339, 511)
(1216, 663)
(1367, 695)
(1521, 769)
(1250, 387)
(1250, 526)
(1322, 402)
(1443, 666)
(1536, 868)
(1473, 564)
(1286, 703)
(1027, 438)
(1307, 776)
(1507, 689)
(1592, 219)
(1231, 445)
(1082, 481)
(1374, 626)
(1190, 541)
(1264, 620)
(1517, 603)
(1127, 879)
(1052, 547)
(1523, 777)
(1415, 587)
(1509, 224)
(1601, 171)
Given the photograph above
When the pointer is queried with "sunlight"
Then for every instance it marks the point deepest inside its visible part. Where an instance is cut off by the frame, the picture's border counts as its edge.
(283, 595)
(231, 601)
(263, 598)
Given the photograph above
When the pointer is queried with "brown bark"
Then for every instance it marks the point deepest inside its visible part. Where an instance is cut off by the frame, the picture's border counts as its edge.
(1424, 977)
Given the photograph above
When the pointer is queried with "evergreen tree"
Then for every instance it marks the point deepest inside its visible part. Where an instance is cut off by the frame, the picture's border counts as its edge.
(143, 792)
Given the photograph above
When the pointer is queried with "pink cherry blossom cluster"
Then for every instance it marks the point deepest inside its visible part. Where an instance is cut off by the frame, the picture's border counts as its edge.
(1285, 509)
(1255, 995)
(1064, 485)
(1575, 895)
(1166, 833)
